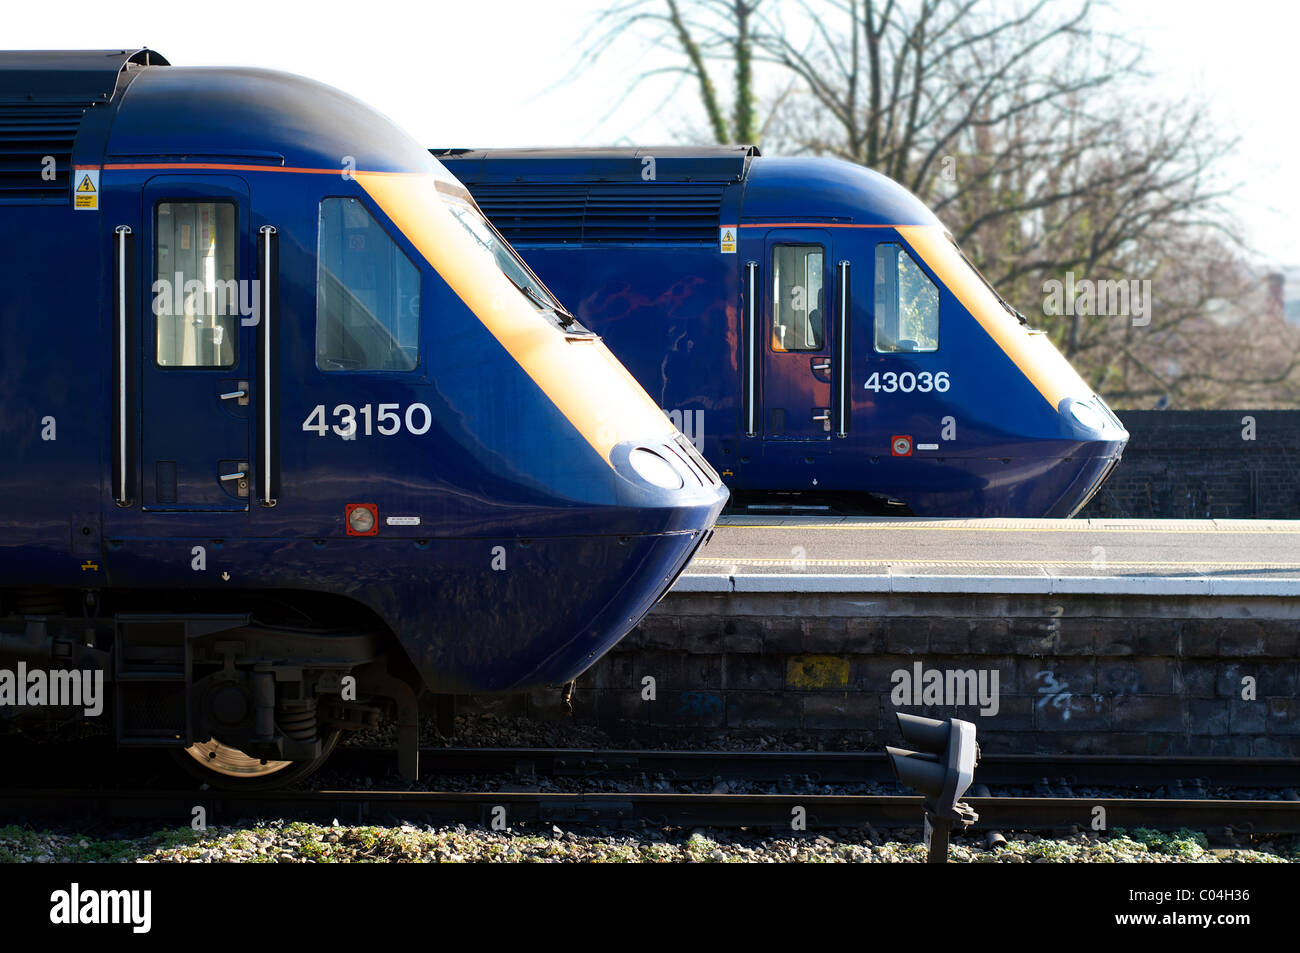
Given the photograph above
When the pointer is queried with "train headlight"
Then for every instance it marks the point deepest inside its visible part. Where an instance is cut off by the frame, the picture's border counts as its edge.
(654, 469)
(1087, 416)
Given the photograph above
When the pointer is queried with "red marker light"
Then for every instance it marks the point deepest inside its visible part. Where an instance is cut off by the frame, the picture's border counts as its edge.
(362, 519)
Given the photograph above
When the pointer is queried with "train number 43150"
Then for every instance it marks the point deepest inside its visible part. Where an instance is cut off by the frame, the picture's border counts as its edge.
(367, 420)
(907, 382)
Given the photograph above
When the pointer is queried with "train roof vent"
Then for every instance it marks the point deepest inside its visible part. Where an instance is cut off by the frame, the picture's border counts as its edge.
(656, 213)
(44, 95)
(536, 214)
(36, 152)
(653, 213)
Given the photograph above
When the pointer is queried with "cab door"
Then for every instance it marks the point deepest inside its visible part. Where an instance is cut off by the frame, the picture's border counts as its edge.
(796, 335)
(199, 311)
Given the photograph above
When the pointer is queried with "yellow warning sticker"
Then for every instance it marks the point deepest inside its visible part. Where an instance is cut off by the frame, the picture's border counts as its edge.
(727, 239)
(86, 193)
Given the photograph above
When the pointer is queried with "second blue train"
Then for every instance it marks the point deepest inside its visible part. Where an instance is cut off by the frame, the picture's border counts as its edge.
(810, 324)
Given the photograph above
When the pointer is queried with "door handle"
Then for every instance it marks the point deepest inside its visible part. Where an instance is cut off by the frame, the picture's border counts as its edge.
(125, 294)
(270, 268)
(236, 471)
(822, 366)
(239, 394)
(750, 396)
(841, 354)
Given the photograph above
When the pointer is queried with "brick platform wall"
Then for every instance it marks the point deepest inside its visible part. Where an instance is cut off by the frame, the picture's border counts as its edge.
(1196, 464)
(1119, 675)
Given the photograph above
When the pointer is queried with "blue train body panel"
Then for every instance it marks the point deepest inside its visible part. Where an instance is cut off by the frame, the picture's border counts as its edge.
(674, 257)
(515, 539)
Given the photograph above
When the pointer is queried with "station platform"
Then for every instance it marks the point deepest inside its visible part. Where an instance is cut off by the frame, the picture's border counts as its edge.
(1135, 637)
(884, 554)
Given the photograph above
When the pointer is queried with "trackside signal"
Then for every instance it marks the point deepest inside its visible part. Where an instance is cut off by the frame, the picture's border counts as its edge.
(942, 769)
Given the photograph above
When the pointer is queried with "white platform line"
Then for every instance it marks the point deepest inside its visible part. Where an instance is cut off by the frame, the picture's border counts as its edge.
(814, 583)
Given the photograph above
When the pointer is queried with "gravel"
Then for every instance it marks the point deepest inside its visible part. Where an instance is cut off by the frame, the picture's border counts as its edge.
(295, 842)
(281, 842)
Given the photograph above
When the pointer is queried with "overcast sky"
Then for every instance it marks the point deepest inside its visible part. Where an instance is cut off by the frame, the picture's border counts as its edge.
(500, 72)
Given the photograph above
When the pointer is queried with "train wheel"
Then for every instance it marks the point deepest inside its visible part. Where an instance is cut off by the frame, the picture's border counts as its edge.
(226, 767)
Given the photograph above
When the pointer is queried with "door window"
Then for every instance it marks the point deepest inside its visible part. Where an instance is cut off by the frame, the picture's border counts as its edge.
(196, 297)
(798, 315)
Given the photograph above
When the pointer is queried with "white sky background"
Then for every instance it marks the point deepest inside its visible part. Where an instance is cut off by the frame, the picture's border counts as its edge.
(493, 72)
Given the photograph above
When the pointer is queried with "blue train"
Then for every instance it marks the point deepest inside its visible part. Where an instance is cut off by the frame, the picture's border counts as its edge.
(292, 436)
(810, 324)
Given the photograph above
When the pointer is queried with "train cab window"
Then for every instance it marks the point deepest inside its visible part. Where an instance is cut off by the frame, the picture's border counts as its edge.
(367, 294)
(196, 297)
(798, 312)
(505, 258)
(907, 303)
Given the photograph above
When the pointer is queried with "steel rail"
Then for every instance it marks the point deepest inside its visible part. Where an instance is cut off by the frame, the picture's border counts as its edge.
(829, 766)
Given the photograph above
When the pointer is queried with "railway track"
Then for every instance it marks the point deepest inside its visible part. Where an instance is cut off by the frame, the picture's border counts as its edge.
(510, 808)
(69, 763)
(505, 782)
(830, 767)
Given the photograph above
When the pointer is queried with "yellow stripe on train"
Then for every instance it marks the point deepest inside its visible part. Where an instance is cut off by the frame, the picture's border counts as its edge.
(1035, 355)
(584, 381)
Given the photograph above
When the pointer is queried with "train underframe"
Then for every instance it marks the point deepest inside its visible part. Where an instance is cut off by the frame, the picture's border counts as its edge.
(253, 689)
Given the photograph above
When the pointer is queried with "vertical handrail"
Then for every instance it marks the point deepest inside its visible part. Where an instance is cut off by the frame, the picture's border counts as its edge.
(122, 248)
(842, 402)
(268, 233)
(751, 348)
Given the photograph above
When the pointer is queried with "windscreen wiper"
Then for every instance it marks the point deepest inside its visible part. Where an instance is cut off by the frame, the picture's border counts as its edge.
(565, 318)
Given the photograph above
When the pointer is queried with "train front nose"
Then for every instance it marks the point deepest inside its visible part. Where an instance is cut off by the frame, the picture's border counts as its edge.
(621, 557)
(1098, 439)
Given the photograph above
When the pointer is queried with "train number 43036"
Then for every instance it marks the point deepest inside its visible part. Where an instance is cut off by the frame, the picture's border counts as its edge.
(907, 382)
(367, 420)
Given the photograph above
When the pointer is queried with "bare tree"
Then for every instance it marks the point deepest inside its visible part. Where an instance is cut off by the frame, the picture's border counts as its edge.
(1030, 135)
(700, 34)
